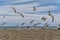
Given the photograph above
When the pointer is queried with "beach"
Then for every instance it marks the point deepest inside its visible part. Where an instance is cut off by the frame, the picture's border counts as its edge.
(30, 34)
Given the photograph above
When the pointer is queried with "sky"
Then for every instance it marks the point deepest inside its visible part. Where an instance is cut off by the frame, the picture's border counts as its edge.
(52, 5)
(26, 8)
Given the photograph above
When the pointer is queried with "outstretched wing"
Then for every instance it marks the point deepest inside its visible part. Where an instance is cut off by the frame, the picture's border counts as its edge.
(51, 16)
(36, 24)
(22, 23)
(32, 21)
(20, 14)
(3, 23)
(14, 9)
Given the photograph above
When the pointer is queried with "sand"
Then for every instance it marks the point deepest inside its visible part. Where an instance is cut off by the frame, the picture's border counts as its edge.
(32, 34)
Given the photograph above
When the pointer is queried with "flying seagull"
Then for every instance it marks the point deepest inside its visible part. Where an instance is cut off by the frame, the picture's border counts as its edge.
(14, 9)
(22, 23)
(17, 12)
(43, 18)
(36, 24)
(32, 21)
(20, 14)
(46, 24)
(51, 16)
(3, 23)
(3, 16)
(58, 26)
(34, 9)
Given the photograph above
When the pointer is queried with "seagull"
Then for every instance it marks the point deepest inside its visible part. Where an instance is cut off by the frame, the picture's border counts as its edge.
(20, 14)
(51, 16)
(17, 12)
(14, 9)
(3, 23)
(46, 24)
(3, 16)
(34, 8)
(43, 18)
(32, 21)
(36, 24)
(22, 23)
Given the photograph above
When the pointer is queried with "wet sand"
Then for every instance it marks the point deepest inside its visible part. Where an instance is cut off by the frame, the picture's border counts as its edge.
(32, 34)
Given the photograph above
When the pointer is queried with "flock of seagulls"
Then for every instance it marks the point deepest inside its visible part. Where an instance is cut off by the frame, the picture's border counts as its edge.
(34, 9)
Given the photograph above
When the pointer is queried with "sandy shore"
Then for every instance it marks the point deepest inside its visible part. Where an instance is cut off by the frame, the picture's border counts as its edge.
(32, 34)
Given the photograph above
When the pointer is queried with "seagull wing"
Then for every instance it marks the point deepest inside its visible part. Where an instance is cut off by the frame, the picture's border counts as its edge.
(3, 23)
(20, 14)
(32, 21)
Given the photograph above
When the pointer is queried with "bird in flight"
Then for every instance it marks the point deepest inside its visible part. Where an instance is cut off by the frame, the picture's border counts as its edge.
(3, 23)
(20, 14)
(43, 18)
(51, 16)
(22, 23)
(3, 16)
(46, 24)
(36, 24)
(17, 12)
(34, 9)
(32, 21)
(14, 9)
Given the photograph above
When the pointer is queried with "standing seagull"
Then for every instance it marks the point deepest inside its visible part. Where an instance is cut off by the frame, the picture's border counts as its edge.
(14, 9)
(17, 12)
(34, 9)
(51, 16)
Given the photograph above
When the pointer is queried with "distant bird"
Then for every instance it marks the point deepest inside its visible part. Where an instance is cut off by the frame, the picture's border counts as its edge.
(32, 21)
(51, 16)
(34, 9)
(58, 26)
(3, 23)
(14, 10)
(17, 12)
(36, 24)
(3, 16)
(28, 27)
(20, 14)
(43, 18)
(22, 23)
(46, 24)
